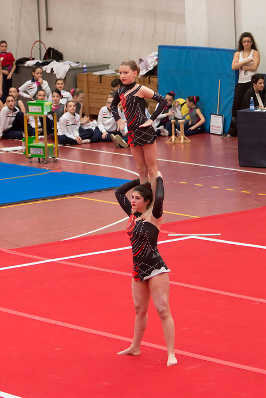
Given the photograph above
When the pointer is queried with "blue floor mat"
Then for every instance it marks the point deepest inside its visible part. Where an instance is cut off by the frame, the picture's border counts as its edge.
(23, 184)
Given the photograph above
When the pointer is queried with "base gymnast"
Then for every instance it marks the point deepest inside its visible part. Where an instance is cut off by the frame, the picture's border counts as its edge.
(150, 273)
(141, 134)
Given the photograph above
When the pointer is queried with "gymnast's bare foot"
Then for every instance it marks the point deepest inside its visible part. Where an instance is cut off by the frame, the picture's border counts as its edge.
(171, 360)
(130, 351)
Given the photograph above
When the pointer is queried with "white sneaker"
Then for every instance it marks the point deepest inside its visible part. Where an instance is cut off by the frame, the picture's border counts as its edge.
(114, 140)
(164, 132)
(86, 141)
(120, 141)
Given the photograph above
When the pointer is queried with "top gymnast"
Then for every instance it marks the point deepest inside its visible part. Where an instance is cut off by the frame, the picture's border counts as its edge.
(141, 134)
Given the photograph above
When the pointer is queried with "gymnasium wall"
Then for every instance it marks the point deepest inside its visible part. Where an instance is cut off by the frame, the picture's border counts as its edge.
(110, 31)
(98, 31)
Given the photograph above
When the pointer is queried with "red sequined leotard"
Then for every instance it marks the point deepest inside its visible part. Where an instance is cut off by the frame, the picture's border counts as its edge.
(134, 110)
(147, 261)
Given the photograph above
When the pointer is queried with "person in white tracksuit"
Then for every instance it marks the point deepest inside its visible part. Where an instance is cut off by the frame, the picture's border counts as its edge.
(69, 130)
(31, 87)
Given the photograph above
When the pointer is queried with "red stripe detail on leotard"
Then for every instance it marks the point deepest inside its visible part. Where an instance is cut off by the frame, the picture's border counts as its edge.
(132, 120)
(130, 138)
(138, 251)
(123, 101)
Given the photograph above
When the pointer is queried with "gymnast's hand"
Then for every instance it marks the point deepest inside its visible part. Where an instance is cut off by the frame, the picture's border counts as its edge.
(120, 125)
(147, 123)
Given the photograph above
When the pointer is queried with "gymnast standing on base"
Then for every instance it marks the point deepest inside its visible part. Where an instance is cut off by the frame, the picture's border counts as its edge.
(141, 134)
(150, 273)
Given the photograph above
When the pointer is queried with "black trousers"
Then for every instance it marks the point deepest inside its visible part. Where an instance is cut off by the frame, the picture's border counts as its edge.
(7, 83)
(17, 129)
(240, 90)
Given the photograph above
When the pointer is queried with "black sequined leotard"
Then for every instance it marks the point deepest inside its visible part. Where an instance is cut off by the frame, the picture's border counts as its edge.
(147, 261)
(134, 110)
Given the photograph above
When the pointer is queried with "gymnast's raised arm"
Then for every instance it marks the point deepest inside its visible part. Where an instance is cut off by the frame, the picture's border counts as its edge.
(120, 193)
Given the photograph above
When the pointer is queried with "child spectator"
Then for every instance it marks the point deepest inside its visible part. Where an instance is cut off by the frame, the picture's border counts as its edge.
(69, 130)
(11, 120)
(107, 124)
(116, 84)
(49, 124)
(78, 98)
(31, 87)
(65, 95)
(57, 105)
(18, 103)
(196, 123)
(8, 68)
(57, 108)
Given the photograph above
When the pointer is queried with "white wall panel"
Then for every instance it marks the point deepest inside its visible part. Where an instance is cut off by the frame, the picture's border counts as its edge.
(221, 31)
(98, 30)
(110, 31)
(196, 23)
(252, 18)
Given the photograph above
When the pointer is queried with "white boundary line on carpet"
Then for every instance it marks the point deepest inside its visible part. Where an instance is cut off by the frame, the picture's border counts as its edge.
(96, 230)
(170, 161)
(99, 164)
(93, 164)
(158, 159)
(129, 247)
(121, 273)
(81, 255)
(122, 338)
(6, 395)
(228, 242)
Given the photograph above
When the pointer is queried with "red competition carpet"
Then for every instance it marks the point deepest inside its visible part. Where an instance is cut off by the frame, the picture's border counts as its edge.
(66, 309)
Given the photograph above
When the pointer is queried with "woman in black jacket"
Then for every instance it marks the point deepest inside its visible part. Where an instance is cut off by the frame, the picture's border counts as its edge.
(256, 91)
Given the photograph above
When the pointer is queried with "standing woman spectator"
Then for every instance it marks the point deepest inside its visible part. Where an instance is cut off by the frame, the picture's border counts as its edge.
(1, 81)
(8, 68)
(246, 60)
